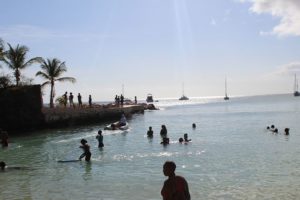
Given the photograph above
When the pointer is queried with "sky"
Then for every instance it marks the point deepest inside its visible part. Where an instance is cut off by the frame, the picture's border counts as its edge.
(154, 46)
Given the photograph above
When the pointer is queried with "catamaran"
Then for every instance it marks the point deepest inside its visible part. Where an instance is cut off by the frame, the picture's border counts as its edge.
(296, 92)
(183, 97)
(226, 97)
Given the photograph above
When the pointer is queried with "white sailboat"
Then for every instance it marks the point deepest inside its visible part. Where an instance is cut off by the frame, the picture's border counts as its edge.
(296, 92)
(226, 96)
(183, 97)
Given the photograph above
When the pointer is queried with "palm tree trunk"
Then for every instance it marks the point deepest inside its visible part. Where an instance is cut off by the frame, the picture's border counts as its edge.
(17, 74)
(51, 95)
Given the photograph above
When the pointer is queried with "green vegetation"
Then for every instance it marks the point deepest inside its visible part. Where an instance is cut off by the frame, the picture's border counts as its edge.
(52, 71)
(15, 59)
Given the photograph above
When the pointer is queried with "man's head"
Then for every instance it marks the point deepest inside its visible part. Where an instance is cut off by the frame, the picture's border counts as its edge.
(2, 165)
(169, 168)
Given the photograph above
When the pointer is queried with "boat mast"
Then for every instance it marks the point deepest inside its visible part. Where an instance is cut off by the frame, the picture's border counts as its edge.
(225, 87)
(296, 84)
(182, 89)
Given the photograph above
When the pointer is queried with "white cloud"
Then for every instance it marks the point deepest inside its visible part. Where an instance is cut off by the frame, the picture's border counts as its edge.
(288, 11)
(289, 69)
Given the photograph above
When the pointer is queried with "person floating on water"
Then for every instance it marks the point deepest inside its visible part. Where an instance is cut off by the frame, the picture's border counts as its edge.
(4, 167)
(175, 187)
(4, 138)
(185, 136)
(286, 131)
(194, 125)
(163, 131)
(165, 141)
(180, 140)
(150, 132)
(99, 137)
(86, 150)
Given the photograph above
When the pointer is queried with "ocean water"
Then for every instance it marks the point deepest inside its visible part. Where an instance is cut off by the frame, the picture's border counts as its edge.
(231, 156)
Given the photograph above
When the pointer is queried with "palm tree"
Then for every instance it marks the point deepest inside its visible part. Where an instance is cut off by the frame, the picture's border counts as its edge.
(15, 59)
(1, 50)
(52, 71)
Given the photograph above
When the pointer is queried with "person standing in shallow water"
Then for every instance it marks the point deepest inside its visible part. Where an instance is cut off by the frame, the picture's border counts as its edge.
(99, 137)
(175, 187)
(86, 150)
(163, 131)
(150, 132)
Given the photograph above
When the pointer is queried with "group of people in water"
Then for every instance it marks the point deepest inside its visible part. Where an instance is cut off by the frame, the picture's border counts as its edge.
(274, 130)
(164, 135)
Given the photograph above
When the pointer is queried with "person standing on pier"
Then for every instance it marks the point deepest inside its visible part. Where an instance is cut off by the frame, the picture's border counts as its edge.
(122, 100)
(65, 97)
(79, 100)
(135, 100)
(90, 101)
(71, 97)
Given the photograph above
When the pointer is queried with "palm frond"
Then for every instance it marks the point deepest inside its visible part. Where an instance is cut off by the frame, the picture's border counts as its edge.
(64, 79)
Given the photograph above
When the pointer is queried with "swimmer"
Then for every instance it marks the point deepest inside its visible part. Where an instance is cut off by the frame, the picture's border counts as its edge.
(194, 125)
(185, 136)
(165, 141)
(86, 150)
(99, 137)
(163, 131)
(4, 167)
(180, 140)
(286, 131)
(150, 132)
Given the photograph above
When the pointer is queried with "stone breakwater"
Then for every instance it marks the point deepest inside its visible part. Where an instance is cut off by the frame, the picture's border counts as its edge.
(63, 117)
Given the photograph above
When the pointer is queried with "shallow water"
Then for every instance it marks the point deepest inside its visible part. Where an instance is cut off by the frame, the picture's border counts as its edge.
(231, 156)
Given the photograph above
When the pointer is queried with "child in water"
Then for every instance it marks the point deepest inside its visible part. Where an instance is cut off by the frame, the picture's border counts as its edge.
(185, 136)
(99, 137)
(86, 150)
(150, 132)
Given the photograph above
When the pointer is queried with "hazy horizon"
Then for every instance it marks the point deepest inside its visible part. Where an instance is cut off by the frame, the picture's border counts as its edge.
(155, 46)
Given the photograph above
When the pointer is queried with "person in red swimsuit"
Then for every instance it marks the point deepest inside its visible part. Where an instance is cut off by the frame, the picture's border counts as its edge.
(175, 187)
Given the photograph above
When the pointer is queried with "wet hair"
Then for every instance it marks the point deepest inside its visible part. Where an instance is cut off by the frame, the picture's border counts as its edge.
(170, 165)
(2, 165)
(83, 141)
(150, 127)
(287, 131)
(99, 132)
(194, 125)
(268, 127)
(272, 126)
(180, 140)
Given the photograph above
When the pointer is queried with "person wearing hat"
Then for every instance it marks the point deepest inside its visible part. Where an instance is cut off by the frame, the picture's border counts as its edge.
(86, 150)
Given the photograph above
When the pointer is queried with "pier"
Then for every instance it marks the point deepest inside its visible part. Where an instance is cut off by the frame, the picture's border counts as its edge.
(63, 117)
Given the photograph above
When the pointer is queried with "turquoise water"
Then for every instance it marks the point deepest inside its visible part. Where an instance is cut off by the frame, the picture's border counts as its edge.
(231, 155)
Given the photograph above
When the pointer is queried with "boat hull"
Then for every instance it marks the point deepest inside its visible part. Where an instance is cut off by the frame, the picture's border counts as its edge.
(115, 126)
